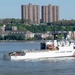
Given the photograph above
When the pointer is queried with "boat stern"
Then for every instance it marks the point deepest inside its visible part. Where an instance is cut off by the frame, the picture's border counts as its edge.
(6, 57)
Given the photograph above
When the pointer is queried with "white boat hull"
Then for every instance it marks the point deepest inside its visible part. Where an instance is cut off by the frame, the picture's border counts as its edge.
(43, 54)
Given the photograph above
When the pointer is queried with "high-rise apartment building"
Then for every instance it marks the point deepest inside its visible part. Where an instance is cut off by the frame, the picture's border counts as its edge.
(54, 13)
(43, 13)
(50, 13)
(57, 13)
(31, 13)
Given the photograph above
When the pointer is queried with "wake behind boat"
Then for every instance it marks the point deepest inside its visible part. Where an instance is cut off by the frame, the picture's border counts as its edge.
(49, 49)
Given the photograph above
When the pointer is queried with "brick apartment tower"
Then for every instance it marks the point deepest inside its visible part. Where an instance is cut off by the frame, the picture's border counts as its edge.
(50, 13)
(54, 13)
(31, 13)
(57, 13)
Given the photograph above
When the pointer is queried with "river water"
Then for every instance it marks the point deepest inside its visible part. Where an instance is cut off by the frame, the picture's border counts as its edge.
(46, 66)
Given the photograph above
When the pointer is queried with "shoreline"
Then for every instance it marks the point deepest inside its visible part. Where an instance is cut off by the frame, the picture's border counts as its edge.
(20, 40)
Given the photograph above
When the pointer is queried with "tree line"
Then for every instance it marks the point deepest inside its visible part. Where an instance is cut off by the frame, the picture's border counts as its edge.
(12, 37)
(45, 28)
(24, 21)
(62, 25)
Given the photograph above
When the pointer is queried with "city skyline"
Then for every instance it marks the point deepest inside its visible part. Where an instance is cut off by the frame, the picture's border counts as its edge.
(12, 9)
(31, 13)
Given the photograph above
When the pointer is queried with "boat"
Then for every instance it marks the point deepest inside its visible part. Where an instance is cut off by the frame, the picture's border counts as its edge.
(49, 49)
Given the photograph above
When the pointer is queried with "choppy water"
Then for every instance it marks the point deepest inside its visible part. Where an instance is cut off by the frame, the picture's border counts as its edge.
(50, 66)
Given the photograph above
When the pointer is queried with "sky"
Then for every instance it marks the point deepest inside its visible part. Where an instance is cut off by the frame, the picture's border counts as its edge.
(12, 8)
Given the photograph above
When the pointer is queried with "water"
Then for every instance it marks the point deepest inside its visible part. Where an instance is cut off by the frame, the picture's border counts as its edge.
(46, 66)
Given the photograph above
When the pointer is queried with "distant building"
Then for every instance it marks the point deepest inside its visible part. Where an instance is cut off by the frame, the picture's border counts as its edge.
(11, 28)
(57, 13)
(14, 28)
(1, 21)
(4, 33)
(55, 10)
(72, 34)
(31, 13)
(50, 13)
(29, 35)
(2, 28)
(26, 34)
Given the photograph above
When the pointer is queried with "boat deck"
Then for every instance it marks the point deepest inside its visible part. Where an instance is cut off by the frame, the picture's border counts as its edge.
(36, 50)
